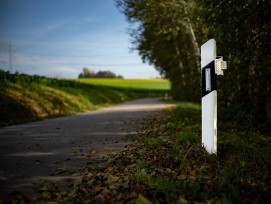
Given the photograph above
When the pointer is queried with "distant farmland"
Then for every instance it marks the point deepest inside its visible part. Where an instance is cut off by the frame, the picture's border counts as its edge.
(150, 84)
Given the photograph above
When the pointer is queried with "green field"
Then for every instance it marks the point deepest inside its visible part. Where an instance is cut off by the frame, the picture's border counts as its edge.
(149, 84)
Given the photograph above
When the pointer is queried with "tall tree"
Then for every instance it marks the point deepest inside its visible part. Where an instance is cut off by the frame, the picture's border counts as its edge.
(163, 38)
(87, 73)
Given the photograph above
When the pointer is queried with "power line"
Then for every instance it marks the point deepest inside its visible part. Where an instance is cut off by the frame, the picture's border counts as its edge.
(10, 58)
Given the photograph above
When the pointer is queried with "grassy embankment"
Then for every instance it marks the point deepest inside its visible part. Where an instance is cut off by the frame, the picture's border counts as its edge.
(167, 164)
(28, 98)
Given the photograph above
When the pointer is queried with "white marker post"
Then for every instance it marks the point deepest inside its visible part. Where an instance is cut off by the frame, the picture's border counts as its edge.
(211, 65)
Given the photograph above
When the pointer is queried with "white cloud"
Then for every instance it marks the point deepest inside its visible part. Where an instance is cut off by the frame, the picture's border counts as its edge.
(92, 19)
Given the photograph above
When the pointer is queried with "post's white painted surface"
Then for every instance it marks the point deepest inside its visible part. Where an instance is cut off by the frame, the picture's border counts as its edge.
(208, 52)
(209, 122)
(209, 102)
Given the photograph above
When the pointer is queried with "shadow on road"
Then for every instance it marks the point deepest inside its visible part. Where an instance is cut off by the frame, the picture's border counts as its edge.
(54, 149)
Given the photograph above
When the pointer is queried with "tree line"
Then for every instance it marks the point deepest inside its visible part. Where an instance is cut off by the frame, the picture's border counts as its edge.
(168, 34)
(87, 73)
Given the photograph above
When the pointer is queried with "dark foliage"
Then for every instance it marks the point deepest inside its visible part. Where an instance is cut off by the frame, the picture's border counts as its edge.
(162, 36)
(242, 31)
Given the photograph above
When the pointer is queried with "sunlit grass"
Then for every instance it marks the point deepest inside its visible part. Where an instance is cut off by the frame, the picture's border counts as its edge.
(151, 84)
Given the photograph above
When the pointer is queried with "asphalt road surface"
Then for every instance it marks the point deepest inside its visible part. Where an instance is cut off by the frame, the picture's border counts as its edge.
(53, 149)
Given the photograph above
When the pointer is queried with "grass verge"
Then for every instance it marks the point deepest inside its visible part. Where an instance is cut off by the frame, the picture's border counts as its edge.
(167, 164)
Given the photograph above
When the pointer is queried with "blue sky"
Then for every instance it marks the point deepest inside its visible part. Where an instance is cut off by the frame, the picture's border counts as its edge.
(57, 38)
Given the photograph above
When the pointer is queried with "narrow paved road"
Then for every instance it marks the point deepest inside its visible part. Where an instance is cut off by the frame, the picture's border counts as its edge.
(52, 149)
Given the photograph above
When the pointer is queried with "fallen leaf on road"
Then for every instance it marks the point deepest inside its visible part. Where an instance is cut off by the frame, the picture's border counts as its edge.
(108, 169)
(91, 153)
(142, 200)
(59, 171)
